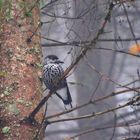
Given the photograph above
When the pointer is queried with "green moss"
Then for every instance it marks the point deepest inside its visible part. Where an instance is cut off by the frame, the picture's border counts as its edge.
(39, 65)
(3, 74)
(12, 108)
(33, 50)
(28, 14)
(6, 130)
(20, 58)
(23, 102)
(7, 91)
(1, 4)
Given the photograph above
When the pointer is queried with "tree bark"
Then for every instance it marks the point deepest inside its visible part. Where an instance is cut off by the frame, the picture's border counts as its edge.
(20, 69)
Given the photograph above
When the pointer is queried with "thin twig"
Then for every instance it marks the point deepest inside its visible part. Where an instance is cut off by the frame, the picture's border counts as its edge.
(93, 115)
(93, 102)
(102, 128)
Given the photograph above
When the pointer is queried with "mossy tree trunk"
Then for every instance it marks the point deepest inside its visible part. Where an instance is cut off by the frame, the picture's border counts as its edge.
(20, 55)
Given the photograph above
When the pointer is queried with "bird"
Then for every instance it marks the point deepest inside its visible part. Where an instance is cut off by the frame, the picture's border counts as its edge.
(54, 80)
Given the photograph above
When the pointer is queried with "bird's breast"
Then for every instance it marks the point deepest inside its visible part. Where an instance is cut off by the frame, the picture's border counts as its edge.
(52, 73)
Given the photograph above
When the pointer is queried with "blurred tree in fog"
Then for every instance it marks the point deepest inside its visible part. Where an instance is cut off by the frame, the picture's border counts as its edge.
(71, 25)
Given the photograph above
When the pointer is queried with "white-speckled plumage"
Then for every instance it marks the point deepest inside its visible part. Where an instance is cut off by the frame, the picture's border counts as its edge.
(51, 75)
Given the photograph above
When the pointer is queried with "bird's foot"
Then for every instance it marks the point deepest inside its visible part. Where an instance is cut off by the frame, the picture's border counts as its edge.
(46, 122)
(29, 120)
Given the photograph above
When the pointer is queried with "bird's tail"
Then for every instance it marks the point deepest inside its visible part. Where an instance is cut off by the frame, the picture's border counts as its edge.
(65, 96)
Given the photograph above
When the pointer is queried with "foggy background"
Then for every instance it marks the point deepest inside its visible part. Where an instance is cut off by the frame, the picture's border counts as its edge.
(79, 21)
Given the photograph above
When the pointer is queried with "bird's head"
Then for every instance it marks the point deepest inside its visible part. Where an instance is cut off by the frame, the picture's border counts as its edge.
(52, 59)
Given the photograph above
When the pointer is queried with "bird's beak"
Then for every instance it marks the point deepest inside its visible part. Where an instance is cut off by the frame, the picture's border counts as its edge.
(58, 61)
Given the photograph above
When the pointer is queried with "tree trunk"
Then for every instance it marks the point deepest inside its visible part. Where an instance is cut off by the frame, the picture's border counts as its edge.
(20, 54)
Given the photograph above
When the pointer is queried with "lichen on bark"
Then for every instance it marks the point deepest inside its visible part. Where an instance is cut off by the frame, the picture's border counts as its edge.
(20, 85)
